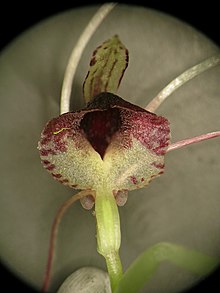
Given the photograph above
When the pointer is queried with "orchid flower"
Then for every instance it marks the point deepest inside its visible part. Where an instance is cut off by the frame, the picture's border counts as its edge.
(109, 147)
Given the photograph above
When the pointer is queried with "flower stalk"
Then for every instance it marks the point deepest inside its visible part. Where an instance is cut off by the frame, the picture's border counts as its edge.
(108, 233)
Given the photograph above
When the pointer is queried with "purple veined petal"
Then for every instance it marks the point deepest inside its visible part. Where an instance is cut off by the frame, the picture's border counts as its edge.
(110, 142)
(135, 155)
(107, 67)
(66, 153)
(77, 52)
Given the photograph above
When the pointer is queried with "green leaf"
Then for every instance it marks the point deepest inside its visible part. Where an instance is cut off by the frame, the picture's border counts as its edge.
(107, 67)
(139, 273)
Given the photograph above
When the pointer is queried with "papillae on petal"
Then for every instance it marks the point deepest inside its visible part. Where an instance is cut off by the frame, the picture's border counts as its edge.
(110, 142)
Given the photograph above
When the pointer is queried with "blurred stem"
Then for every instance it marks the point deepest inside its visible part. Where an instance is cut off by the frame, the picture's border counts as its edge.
(188, 141)
(76, 54)
(53, 235)
(181, 80)
(139, 273)
(108, 233)
(114, 267)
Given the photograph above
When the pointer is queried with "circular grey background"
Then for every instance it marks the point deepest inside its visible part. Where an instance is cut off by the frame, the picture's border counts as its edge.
(182, 206)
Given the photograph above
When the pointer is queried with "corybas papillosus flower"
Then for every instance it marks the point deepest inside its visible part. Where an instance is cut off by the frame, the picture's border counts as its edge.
(111, 143)
(106, 149)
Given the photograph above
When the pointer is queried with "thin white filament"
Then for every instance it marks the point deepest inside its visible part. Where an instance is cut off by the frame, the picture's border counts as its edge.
(182, 79)
(195, 139)
(76, 54)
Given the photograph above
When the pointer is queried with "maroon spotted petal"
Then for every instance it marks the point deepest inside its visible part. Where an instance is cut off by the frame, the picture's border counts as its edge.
(111, 142)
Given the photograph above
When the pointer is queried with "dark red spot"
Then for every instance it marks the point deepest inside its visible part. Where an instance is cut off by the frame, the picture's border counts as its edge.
(161, 172)
(46, 162)
(64, 181)
(60, 140)
(153, 176)
(93, 61)
(142, 179)
(126, 65)
(56, 175)
(74, 185)
(158, 165)
(99, 127)
(45, 140)
(44, 152)
(133, 179)
(60, 146)
(50, 167)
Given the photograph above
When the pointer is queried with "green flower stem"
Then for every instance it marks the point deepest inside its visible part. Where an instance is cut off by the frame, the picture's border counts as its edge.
(114, 267)
(109, 233)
